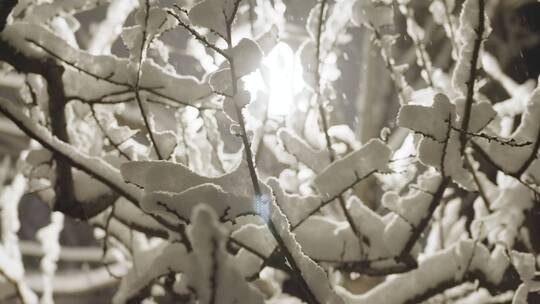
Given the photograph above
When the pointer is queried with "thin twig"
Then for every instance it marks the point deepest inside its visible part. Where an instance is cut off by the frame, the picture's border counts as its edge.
(113, 143)
(138, 80)
(389, 63)
(322, 114)
(469, 99)
(198, 36)
(296, 272)
(448, 17)
(478, 183)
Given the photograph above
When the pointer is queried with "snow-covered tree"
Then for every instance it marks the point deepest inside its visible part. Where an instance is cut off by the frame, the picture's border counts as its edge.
(201, 142)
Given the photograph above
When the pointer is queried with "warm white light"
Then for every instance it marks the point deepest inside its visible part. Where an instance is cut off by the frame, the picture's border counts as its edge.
(283, 79)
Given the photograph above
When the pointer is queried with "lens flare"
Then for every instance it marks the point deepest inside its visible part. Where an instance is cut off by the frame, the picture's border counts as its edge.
(281, 79)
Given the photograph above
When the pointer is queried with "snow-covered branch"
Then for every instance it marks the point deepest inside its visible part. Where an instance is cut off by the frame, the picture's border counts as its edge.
(155, 125)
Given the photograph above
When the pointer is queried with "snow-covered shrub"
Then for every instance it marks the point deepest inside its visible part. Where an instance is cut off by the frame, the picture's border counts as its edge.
(202, 189)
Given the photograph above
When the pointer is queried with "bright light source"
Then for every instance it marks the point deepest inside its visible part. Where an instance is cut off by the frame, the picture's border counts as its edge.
(283, 79)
